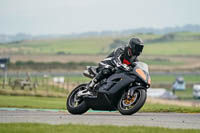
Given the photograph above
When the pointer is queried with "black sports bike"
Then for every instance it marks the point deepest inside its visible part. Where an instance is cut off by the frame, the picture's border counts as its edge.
(125, 91)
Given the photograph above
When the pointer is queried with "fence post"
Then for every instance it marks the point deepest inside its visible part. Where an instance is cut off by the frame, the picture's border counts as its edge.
(3, 85)
(67, 84)
(36, 83)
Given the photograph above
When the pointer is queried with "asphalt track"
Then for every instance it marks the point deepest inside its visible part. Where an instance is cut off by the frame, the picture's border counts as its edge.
(168, 120)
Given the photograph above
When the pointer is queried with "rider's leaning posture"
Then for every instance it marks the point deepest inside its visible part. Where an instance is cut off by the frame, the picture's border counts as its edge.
(121, 57)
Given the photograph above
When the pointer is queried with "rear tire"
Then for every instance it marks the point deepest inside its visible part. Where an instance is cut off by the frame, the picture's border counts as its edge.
(137, 106)
(81, 107)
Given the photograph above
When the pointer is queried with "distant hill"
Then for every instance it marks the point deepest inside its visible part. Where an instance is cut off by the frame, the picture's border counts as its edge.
(15, 38)
(185, 28)
(20, 37)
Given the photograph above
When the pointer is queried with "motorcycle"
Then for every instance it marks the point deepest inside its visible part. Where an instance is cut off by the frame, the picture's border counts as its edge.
(125, 91)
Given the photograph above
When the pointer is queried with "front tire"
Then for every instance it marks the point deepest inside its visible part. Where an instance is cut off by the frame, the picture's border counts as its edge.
(135, 106)
(73, 106)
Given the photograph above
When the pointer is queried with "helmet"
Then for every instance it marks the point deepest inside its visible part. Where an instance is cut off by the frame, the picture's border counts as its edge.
(135, 46)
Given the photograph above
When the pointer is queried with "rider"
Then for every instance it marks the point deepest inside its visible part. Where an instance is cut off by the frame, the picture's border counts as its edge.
(121, 57)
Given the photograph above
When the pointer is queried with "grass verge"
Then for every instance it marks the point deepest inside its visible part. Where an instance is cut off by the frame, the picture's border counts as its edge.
(32, 102)
(46, 128)
(169, 108)
(59, 103)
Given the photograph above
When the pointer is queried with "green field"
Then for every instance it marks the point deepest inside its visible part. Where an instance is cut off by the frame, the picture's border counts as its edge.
(47, 128)
(162, 62)
(67, 46)
(171, 78)
(181, 44)
(60, 103)
(186, 94)
(173, 48)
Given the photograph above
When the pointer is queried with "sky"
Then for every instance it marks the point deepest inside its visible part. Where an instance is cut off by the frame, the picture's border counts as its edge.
(77, 16)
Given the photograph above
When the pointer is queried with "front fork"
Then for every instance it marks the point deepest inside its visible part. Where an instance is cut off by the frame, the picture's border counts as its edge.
(131, 91)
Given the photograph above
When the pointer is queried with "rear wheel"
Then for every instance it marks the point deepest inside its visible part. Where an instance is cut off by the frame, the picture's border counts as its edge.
(76, 105)
(130, 105)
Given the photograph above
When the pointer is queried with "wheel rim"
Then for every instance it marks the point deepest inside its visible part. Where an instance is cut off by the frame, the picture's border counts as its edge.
(75, 101)
(127, 104)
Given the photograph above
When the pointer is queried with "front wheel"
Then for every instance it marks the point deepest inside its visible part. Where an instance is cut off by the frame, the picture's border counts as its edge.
(129, 106)
(76, 105)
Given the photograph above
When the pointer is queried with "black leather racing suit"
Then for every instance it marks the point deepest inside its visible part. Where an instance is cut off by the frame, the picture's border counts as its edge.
(118, 58)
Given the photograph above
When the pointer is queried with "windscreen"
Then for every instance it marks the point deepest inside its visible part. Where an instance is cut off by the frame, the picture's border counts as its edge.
(142, 66)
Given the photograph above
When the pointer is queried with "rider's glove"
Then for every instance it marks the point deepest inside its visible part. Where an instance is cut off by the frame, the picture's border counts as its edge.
(125, 67)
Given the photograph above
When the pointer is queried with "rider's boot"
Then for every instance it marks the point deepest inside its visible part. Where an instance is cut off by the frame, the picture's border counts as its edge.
(89, 88)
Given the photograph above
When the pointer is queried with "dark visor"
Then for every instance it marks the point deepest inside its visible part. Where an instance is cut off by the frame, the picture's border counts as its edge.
(138, 49)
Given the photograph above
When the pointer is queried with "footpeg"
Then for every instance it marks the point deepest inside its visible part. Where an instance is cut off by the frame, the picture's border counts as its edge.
(85, 92)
